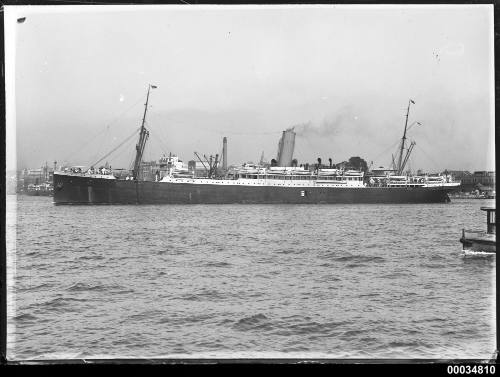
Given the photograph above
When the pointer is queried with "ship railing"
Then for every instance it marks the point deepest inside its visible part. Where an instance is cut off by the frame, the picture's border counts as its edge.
(331, 175)
(353, 172)
(330, 171)
(86, 172)
(466, 233)
(302, 172)
(286, 168)
(331, 182)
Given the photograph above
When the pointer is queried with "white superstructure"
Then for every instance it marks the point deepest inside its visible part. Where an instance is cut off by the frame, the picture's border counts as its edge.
(255, 175)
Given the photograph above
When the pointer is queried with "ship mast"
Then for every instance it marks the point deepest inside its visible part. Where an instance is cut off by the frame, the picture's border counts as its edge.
(143, 136)
(407, 156)
(400, 159)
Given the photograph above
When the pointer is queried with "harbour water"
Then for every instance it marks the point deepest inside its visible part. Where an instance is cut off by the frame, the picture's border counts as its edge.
(230, 281)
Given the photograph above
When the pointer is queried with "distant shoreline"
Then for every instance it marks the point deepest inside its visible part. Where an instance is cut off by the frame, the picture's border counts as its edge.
(470, 197)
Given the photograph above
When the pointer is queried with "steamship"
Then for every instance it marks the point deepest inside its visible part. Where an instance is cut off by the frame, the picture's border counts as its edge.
(282, 182)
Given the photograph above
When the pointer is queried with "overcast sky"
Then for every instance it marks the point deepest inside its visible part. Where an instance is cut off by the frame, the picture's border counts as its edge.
(77, 77)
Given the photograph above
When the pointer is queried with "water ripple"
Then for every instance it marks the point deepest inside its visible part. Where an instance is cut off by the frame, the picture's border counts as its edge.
(167, 280)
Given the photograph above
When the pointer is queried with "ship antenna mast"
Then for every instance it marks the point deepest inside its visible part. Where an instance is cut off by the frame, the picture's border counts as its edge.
(403, 139)
(143, 136)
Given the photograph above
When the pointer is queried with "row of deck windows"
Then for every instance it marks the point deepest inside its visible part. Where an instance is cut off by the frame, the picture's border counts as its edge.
(300, 177)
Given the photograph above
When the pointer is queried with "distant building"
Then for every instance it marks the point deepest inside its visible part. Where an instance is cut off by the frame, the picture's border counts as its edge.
(148, 170)
(35, 176)
(483, 180)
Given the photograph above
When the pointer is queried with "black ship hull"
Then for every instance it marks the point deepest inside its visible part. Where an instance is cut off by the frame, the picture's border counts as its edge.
(486, 245)
(74, 189)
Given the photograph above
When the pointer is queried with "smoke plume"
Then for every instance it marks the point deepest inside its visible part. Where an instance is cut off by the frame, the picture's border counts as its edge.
(329, 126)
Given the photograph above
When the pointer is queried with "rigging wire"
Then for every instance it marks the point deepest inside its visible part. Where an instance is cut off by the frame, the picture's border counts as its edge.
(410, 164)
(103, 139)
(428, 156)
(158, 132)
(158, 138)
(181, 122)
(386, 150)
(115, 157)
(114, 149)
(114, 122)
(158, 143)
(131, 164)
(104, 130)
(75, 153)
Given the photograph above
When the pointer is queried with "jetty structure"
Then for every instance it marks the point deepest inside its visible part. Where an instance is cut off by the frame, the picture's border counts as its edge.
(479, 240)
(281, 182)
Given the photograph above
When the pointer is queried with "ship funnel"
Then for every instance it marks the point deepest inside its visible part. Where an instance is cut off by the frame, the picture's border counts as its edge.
(224, 153)
(285, 148)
